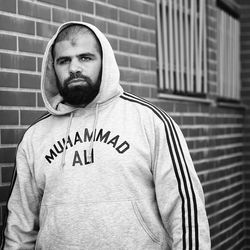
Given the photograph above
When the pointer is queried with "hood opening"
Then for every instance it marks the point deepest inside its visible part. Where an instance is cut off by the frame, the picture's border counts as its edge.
(109, 86)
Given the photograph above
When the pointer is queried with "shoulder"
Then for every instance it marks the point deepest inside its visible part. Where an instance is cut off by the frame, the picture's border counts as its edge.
(147, 107)
(38, 124)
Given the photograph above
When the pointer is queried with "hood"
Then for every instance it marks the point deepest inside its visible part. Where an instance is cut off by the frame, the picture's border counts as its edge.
(109, 88)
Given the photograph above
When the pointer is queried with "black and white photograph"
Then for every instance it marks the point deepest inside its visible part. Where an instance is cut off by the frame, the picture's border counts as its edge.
(124, 124)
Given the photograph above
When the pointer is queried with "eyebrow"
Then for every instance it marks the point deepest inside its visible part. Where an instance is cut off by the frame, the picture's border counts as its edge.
(80, 55)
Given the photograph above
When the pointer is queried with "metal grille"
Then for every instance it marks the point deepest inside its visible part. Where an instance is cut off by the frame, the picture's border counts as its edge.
(228, 55)
(181, 36)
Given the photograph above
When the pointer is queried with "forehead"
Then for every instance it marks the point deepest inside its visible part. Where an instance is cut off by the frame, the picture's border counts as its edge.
(77, 44)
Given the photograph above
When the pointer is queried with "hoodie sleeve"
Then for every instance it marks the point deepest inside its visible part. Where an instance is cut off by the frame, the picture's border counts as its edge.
(23, 207)
(178, 190)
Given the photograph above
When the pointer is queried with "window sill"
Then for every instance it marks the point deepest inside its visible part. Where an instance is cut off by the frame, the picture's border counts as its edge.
(236, 105)
(185, 98)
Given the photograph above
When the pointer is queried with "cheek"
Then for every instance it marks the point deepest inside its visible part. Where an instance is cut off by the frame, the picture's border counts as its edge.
(96, 71)
(61, 74)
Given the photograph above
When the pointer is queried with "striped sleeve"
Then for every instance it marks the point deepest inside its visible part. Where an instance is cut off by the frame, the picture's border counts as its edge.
(178, 190)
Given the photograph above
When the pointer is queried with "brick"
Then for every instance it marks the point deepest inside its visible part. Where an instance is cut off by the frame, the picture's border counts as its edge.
(30, 81)
(8, 79)
(79, 5)
(139, 35)
(31, 45)
(88, 19)
(7, 173)
(17, 62)
(129, 47)
(16, 24)
(212, 55)
(212, 12)
(28, 116)
(101, 25)
(61, 3)
(152, 38)
(11, 98)
(119, 3)
(129, 18)
(122, 60)
(113, 42)
(148, 51)
(245, 27)
(62, 16)
(245, 64)
(212, 77)
(151, 11)
(40, 102)
(140, 63)
(45, 29)
(153, 65)
(140, 91)
(8, 117)
(181, 107)
(147, 23)
(243, 2)
(139, 7)
(148, 78)
(39, 64)
(245, 56)
(201, 120)
(153, 93)
(8, 6)
(4, 193)
(106, 11)
(244, 12)
(7, 155)
(33, 10)
(118, 30)
(187, 120)
(11, 136)
(245, 19)
(211, 33)
(165, 105)
(129, 75)
(8, 42)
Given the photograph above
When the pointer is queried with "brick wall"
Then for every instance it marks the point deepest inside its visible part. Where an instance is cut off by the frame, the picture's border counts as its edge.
(245, 75)
(214, 131)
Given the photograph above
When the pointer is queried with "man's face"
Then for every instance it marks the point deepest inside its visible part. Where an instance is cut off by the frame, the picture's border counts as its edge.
(78, 66)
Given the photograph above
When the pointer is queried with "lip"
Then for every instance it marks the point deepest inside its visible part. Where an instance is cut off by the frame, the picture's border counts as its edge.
(77, 80)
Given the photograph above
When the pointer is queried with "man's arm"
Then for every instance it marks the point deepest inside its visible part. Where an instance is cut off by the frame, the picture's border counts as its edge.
(23, 208)
(178, 190)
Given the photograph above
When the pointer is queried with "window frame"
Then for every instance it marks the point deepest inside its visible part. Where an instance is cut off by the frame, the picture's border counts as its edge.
(229, 87)
(181, 79)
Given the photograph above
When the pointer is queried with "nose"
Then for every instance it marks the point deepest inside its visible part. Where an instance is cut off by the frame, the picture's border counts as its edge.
(75, 66)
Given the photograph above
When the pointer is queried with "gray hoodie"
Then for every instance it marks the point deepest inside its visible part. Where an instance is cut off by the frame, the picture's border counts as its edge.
(116, 174)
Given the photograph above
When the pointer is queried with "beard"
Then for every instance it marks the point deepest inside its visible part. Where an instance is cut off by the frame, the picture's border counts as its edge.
(81, 93)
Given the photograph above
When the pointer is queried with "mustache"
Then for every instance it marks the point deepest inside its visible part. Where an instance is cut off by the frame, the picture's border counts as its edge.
(78, 76)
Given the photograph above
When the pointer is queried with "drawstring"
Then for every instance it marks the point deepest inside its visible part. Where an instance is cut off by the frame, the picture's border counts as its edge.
(94, 128)
(66, 139)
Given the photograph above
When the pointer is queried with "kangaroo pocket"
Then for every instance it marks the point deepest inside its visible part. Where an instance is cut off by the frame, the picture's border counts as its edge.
(112, 225)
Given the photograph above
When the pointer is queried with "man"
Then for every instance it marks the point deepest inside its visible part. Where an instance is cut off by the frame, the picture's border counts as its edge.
(104, 169)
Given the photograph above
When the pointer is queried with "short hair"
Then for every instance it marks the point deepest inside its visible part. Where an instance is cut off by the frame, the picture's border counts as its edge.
(72, 31)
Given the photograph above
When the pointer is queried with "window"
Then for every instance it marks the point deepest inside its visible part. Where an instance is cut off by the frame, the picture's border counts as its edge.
(228, 52)
(181, 41)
